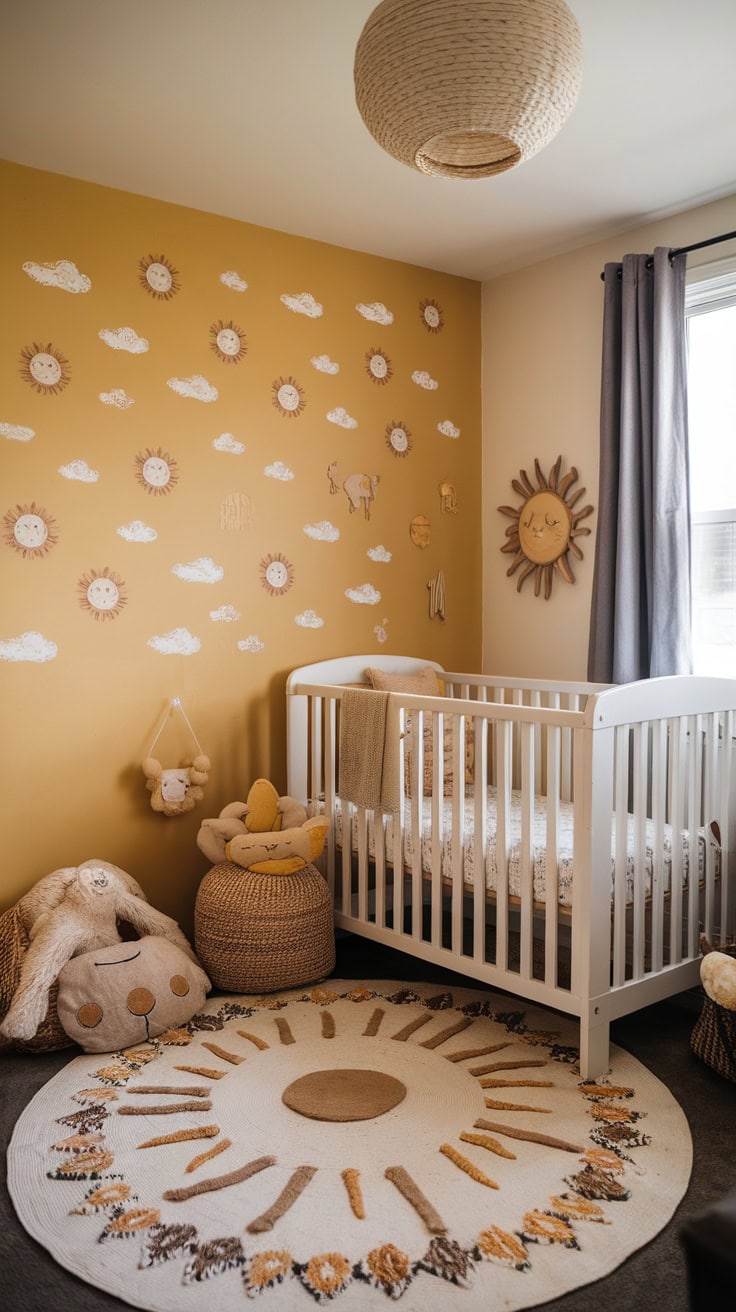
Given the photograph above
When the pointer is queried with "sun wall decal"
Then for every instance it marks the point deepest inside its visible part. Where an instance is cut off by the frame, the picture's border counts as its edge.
(276, 574)
(30, 530)
(378, 366)
(228, 341)
(156, 471)
(45, 367)
(102, 593)
(545, 527)
(158, 277)
(288, 397)
(398, 438)
(431, 314)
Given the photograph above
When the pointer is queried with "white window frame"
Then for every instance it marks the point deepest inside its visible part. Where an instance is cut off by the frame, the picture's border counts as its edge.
(711, 287)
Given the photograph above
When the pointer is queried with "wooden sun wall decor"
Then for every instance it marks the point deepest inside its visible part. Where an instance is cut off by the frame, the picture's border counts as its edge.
(545, 527)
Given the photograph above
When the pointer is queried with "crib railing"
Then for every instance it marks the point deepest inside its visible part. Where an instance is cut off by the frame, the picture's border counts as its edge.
(631, 787)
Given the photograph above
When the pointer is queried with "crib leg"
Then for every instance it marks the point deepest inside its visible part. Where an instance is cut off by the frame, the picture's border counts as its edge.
(594, 1055)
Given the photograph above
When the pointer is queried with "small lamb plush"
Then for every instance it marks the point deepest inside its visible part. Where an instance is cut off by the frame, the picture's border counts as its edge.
(78, 909)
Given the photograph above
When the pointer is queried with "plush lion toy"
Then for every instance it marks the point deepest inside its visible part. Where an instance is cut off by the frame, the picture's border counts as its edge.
(267, 833)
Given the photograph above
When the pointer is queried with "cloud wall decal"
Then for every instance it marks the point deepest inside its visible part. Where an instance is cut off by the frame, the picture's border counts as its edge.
(177, 642)
(251, 643)
(225, 615)
(279, 471)
(201, 570)
(309, 619)
(324, 364)
(423, 379)
(195, 387)
(118, 398)
(448, 428)
(379, 553)
(137, 531)
(303, 303)
(376, 312)
(79, 472)
(323, 531)
(31, 646)
(226, 442)
(341, 417)
(64, 274)
(16, 432)
(365, 595)
(124, 339)
(234, 280)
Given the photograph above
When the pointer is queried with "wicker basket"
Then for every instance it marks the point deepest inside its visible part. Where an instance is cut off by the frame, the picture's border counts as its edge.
(260, 933)
(14, 942)
(714, 1038)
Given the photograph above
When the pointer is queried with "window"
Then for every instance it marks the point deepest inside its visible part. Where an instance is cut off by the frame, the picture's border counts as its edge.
(710, 307)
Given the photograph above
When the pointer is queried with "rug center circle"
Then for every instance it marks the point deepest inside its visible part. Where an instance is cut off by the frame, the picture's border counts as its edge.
(344, 1094)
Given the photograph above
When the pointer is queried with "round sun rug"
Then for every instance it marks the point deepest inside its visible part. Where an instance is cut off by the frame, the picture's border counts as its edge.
(350, 1143)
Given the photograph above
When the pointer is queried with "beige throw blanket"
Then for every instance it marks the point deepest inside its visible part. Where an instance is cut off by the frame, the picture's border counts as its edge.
(369, 751)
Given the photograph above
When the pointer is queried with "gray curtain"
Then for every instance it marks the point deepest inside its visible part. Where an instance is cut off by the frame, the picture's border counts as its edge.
(640, 614)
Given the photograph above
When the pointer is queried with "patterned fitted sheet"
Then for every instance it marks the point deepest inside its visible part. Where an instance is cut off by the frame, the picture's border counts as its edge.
(539, 850)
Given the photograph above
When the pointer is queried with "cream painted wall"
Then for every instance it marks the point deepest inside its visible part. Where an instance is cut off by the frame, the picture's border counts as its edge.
(82, 699)
(541, 398)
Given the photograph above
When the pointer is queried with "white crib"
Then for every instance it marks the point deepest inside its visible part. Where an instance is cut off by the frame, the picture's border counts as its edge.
(564, 872)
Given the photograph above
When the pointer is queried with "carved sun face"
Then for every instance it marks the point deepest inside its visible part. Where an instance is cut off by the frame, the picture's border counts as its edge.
(398, 438)
(44, 367)
(228, 341)
(544, 527)
(277, 574)
(102, 593)
(431, 315)
(158, 277)
(156, 471)
(288, 397)
(30, 530)
(378, 366)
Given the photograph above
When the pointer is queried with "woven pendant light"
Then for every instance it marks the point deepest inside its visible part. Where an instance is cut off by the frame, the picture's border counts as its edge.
(467, 88)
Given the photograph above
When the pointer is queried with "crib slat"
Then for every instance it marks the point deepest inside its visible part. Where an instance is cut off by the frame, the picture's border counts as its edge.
(398, 828)
(552, 872)
(678, 765)
(526, 865)
(640, 755)
(503, 808)
(659, 794)
(480, 837)
(346, 904)
(330, 768)
(417, 800)
(621, 811)
(438, 776)
(566, 780)
(458, 830)
(709, 811)
(726, 910)
(315, 706)
(361, 819)
(379, 830)
(694, 784)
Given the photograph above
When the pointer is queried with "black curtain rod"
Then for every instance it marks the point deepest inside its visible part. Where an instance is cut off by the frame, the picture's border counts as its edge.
(683, 250)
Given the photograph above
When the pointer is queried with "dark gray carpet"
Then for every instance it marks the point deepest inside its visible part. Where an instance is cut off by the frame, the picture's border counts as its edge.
(654, 1278)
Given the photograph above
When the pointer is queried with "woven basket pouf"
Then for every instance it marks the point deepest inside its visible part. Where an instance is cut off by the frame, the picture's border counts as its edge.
(258, 933)
(14, 941)
(713, 1039)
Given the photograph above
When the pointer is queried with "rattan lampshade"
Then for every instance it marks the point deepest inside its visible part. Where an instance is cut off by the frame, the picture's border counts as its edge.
(467, 88)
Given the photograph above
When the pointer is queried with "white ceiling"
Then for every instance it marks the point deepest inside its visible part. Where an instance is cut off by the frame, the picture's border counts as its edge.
(245, 108)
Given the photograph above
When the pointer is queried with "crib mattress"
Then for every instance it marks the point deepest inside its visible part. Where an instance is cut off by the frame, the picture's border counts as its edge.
(565, 862)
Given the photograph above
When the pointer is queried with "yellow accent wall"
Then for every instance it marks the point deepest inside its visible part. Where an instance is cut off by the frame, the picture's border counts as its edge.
(542, 330)
(100, 628)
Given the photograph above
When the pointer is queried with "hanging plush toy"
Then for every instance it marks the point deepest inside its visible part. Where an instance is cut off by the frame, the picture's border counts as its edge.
(178, 788)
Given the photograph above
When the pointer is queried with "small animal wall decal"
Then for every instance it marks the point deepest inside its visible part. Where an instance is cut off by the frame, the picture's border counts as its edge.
(420, 531)
(448, 498)
(544, 527)
(360, 489)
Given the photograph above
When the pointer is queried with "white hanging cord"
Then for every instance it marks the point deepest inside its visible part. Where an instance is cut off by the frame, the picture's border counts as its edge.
(175, 705)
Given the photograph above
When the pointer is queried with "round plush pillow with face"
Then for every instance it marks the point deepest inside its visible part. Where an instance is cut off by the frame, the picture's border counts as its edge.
(119, 996)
